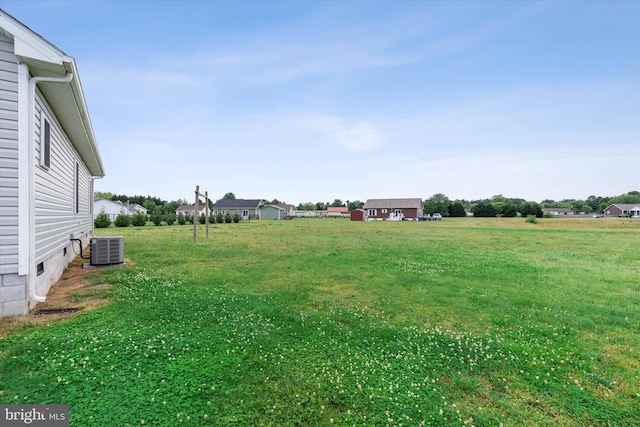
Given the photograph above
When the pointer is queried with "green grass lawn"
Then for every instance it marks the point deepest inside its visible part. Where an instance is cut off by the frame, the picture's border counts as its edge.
(319, 322)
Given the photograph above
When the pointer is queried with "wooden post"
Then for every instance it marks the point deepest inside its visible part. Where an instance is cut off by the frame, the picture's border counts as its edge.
(195, 215)
(206, 211)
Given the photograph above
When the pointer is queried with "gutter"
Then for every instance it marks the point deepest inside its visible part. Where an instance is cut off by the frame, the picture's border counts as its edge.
(33, 81)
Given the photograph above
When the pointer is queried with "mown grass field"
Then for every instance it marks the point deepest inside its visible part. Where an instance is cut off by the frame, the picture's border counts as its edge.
(481, 322)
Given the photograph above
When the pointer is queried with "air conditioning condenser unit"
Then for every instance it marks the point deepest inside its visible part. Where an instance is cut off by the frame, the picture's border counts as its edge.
(107, 250)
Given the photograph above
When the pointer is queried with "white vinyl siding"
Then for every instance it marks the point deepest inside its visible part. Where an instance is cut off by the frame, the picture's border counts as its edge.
(8, 157)
(55, 192)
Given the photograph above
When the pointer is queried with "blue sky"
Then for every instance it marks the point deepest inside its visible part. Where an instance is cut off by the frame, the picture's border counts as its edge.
(312, 101)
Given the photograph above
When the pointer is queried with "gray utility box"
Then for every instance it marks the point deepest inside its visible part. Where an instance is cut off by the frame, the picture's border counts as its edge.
(107, 250)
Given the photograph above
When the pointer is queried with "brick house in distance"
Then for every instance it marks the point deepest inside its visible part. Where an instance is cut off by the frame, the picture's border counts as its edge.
(394, 209)
(617, 209)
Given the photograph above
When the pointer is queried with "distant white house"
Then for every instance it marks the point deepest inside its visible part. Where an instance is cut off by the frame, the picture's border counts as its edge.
(114, 207)
(48, 161)
(557, 211)
(188, 209)
(310, 214)
(135, 208)
(288, 208)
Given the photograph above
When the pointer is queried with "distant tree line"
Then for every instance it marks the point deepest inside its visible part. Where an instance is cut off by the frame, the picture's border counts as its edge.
(510, 207)
(161, 211)
(158, 211)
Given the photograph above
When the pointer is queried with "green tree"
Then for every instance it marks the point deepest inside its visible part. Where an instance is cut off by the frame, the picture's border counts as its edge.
(150, 206)
(594, 203)
(484, 210)
(229, 196)
(103, 195)
(170, 208)
(202, 219)
(227, 218)
(236, 218)
(631, 197)
(219, 218)
(138, 219)
(156, 218)
(102, 220)
(306, 206)
(456, 209)
(337, 203)
(437, 203)
(170, 218)
(181, 219)
(508, 210)
(356, 204)
(531, 208)
(579, 206)
(155, 211)
(532, 219)
(122, 220)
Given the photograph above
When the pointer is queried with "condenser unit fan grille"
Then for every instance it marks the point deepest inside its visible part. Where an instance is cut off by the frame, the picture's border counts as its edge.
(107, 250)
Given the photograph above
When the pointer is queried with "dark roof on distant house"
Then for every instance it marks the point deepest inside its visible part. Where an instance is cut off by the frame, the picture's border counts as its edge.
(415, 203)
(136, 208)
(625, 206)
(284, 206)
(237, 203)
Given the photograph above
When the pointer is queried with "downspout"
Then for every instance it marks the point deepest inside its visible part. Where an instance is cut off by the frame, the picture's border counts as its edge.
(32, 179)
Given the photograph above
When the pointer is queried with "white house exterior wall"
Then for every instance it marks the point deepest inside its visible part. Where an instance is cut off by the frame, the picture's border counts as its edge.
(13, 289)
(54, 194)
(8, 158)
(190, 212)
(109, 207)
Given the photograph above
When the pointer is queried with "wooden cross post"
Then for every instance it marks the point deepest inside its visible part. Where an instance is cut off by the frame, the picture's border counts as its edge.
(206, 212)
(195, 213)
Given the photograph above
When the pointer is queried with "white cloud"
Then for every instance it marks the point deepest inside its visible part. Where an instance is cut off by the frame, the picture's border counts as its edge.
(351, 135)
(359, 136)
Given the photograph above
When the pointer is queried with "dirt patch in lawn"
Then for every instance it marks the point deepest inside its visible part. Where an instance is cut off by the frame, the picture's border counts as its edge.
(78, 290)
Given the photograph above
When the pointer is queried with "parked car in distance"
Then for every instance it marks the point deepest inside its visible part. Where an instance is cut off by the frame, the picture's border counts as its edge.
(436, 217)
(426, 217)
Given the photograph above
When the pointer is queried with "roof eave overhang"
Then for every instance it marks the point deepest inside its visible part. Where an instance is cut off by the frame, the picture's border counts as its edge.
(69, 106)
(65, 99)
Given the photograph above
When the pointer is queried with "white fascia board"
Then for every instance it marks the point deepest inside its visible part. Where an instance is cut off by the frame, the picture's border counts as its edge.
(40, 51)
(29, 44)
